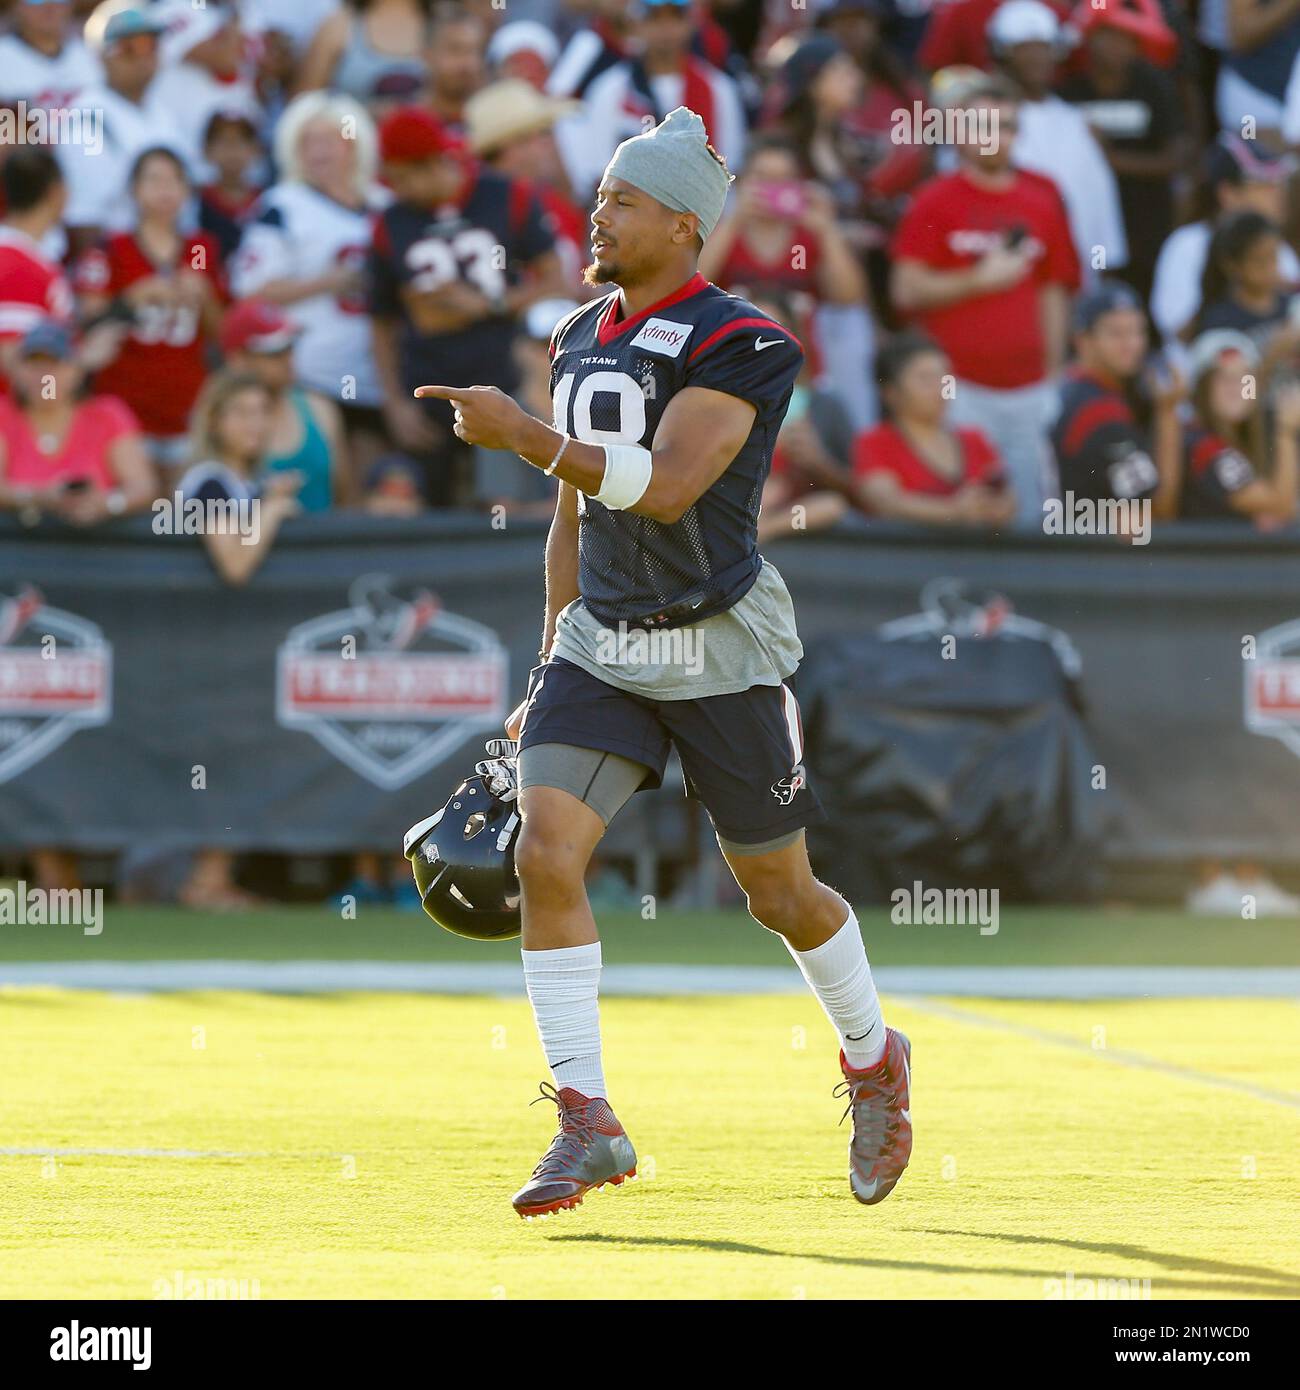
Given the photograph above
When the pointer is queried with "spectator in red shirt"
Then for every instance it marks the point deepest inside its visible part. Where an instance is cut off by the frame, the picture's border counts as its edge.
(32, 286)
(80, 460)
(915, 466)
(985, 264)
(167, 284)
(781, 233)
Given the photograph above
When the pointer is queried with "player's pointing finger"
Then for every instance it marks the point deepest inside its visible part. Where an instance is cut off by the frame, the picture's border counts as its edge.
(443, 393)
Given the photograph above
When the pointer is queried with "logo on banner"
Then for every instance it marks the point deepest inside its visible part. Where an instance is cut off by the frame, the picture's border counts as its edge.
(1273, 686)
(392, 685)
(56, 676)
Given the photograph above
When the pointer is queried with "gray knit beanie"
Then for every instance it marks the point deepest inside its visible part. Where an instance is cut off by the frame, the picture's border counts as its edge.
(673, 165)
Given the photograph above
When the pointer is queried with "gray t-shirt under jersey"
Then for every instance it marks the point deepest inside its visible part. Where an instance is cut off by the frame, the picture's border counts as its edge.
(754, 642)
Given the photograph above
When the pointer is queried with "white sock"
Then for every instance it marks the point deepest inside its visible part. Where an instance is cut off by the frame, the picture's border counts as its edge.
(562, 988)
(838, 974)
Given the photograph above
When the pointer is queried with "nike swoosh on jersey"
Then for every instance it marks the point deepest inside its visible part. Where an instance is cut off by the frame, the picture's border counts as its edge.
(759, 344)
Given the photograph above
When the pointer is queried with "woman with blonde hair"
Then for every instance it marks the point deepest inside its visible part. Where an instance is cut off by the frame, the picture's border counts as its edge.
(304, 248)
(229, 440)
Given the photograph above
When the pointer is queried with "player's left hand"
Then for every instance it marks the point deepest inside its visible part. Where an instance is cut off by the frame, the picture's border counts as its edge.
(484, 415)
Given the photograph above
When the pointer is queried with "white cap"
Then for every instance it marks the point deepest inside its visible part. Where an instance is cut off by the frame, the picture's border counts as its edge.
(187, 26)
(1023, 21)
(523, 36)
(1211, 347)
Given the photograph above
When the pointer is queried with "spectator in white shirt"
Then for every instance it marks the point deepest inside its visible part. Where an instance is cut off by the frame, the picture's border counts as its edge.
(1240, 175)
(304, 247)
(134, 120)
(42, 62)
(664, 73)
(1054, 140)
(202, 73)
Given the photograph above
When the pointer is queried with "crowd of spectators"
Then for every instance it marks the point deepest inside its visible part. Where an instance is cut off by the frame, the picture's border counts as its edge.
(1033, 249)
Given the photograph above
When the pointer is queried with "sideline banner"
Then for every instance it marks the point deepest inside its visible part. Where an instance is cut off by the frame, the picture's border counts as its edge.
(332, 701)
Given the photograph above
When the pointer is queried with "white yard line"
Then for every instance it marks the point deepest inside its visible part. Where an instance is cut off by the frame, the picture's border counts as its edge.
(1116, 1055)
(37, 1151)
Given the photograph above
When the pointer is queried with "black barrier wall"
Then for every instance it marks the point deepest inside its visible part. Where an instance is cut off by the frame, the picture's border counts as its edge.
(331, 702)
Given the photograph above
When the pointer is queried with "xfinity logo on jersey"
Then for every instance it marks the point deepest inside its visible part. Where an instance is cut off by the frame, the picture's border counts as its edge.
(662, 336)
(56, 676)
(392, 685)
(1272, 695)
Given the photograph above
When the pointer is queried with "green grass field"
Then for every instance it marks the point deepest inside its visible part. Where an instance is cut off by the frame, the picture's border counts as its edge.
(1026, 936)
(350, 1145)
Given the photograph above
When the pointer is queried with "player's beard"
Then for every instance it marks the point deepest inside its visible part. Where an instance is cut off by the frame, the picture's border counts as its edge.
(597, 274)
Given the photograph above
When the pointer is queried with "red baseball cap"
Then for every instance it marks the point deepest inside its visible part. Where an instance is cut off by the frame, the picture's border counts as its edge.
(414, 132)
(257, 325)
(1143, 19)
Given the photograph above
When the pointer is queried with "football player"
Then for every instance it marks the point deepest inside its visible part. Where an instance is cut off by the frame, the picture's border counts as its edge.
(664, 627)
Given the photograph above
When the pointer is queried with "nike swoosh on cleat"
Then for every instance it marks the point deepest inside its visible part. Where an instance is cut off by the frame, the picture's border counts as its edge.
(759, 344)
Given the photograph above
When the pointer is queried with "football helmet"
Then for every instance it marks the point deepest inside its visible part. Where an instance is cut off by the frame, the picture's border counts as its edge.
(463, 856)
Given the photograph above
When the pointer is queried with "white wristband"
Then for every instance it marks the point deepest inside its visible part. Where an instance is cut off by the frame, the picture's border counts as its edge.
(559, 454)
(628, 469)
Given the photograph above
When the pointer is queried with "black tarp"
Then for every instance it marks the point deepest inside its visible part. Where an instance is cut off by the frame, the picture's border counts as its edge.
(952, 748)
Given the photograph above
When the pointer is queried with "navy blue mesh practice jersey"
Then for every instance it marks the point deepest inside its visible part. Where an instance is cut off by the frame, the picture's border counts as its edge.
(611, 381)
(422, 249)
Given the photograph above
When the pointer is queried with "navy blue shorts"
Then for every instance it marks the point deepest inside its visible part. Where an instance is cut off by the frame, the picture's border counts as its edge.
(742, 754)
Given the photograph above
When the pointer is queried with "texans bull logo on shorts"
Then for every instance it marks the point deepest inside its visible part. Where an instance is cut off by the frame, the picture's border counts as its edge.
(785, 789)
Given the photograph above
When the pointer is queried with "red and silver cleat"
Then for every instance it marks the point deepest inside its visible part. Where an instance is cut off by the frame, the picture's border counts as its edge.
(590, 1150)
(880, 1103)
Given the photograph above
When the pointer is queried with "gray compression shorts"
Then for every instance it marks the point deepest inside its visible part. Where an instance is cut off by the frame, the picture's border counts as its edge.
(606, 782)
